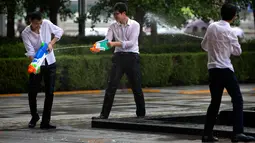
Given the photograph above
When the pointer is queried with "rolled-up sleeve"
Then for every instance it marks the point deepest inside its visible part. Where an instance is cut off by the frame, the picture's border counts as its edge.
(28, 46)
(133, 37)
(54, 29)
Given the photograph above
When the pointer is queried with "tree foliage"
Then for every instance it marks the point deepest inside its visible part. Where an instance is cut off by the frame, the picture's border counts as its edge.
(172, 11)
(18, 7)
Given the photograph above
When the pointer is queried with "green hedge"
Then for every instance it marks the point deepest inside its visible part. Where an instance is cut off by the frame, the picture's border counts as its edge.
(163, 39)
(64, 40)
(12, 50)
(18, 50)
(7, 40)
(91, 71)
(172, 43)
(178, 43)
(79, 40)
(172, 48)
(168, 39)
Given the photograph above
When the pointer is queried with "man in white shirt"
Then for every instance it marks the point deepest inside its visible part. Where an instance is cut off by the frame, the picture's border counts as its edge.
(125, 60)
(39, 31)
(221, 42)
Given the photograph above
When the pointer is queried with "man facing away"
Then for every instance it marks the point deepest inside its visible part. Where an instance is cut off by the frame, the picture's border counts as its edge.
(220, 42)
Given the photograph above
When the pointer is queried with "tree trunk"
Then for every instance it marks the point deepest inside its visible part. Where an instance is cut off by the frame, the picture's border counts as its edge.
(54, 7)
(139, 17)
(154, 32)
(81, 26)
(53, 16)
(82, 17)
(10, 19)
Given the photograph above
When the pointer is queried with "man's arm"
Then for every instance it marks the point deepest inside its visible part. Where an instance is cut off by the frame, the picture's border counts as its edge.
(131, 39)
(28, 46)
(57, 31)
(54, 40)
(109, 36)
(236, 47)
(204, 42)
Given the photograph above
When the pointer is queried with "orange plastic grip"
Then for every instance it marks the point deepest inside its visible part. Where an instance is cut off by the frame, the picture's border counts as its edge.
(94, 49)
(31, 69)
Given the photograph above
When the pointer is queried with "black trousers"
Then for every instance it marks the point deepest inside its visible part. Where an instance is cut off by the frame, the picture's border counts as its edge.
(48, 73)
(220, 79)
(128, 63)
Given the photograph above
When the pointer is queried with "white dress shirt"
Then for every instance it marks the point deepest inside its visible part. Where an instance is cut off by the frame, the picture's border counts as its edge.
(126, 34)
(32, 40)
(221, 42)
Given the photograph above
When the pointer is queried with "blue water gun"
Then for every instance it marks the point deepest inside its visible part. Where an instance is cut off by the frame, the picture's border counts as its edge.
(34, 66)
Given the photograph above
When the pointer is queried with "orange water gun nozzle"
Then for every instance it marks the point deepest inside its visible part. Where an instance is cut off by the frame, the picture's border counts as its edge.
(94, 49)
(31, 69)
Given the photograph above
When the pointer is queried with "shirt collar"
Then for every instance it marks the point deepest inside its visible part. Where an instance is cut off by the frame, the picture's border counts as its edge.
(128, 23)
(29, 28)
(224, 22)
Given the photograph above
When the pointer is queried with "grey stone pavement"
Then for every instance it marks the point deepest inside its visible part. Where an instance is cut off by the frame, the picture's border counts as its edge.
(72, 115)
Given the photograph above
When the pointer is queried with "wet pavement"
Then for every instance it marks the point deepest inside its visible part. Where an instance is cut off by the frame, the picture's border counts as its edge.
(72, 115)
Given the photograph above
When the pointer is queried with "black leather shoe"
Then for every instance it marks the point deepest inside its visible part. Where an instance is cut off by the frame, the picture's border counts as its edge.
(100, 117)
(47, 126)
(33, 121)
(242, 138)
(209, 139)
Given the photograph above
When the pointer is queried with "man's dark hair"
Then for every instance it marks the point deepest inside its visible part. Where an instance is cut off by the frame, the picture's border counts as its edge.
(35, 16)
(120, 7)
(228, 11)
